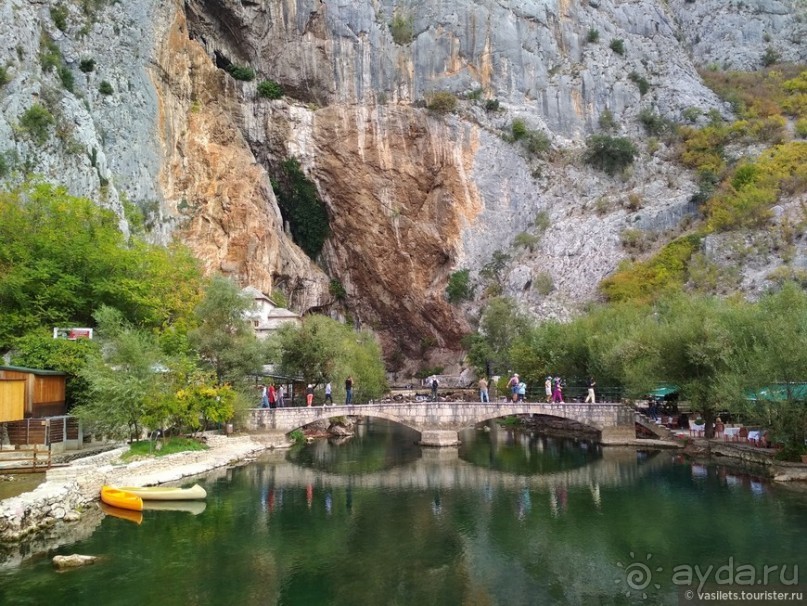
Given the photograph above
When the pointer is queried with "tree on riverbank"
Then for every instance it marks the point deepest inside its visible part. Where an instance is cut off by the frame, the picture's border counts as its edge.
(63, 257)
(718, 351)
(223, 338)
(323, 349)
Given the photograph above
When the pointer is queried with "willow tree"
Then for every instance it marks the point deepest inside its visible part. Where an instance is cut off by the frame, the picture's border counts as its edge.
(223, 338)
(322, 350)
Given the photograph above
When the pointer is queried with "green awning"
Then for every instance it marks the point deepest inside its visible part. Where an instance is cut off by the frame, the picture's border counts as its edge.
(779, 392)
(663, 391)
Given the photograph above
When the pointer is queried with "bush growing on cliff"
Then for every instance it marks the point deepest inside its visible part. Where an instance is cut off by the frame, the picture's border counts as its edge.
(640, 81)
(241, 72)
(654, 124)
(301, 207)
(269, 89)
(610, 154)
(618, 46)
(36, 122)
(402, 29)
(59, 15)
(442, 101)
(459, 287)
(87, 65)
(105, 88)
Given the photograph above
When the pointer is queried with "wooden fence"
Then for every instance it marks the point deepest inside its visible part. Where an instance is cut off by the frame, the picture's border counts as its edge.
(45, 432)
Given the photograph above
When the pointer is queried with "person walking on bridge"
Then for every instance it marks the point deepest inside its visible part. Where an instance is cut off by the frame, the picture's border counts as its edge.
(349, 390)
(590, 397)
(483, 390)
(435, 385)
(328, 394)
(513, 385)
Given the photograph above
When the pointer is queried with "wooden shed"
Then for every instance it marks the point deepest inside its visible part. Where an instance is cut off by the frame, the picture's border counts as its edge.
(29, 392)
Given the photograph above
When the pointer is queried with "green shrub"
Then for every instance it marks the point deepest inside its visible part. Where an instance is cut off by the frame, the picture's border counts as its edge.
(646, 281)
(86, 65)
(66, 76)
(526, 240)
(474, 95)
(542, 221)
(59, 15)
(278, 297)
(50, 56)
(691, 114)
(297, 436)
(269, 89)
(801, 128)
(518, 128)
(402, 29)
(241, 72)
(492, 105)
(543, 283)
(105, 88)
(459, 287)
(610, 154)
(606, 121)
(4, 77)
(593, 36)
(36, 122)
(337, 290)
(634, 240)
(537, 143)
(618, 46)
(653, 123)
(640, 81)
(442, 102)
(770, 57)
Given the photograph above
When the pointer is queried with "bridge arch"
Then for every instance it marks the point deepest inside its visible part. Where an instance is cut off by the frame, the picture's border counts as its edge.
(328, 414)
(439, 422)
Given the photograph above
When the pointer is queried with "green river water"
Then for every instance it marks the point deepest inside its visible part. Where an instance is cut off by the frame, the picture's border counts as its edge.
(510, 518)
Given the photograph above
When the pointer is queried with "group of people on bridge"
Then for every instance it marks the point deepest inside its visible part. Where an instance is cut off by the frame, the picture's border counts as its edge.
(553, 387)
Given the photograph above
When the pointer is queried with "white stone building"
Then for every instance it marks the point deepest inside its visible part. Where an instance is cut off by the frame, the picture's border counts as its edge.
(266, 317)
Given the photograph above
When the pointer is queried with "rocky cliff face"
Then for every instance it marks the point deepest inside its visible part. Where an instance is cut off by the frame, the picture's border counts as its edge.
(412, 195)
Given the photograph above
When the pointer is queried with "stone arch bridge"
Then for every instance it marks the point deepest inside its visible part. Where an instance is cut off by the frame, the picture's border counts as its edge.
(439, 422)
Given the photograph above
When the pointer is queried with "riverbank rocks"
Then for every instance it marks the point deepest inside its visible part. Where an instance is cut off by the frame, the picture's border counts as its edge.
(72, 561)
(69, 492)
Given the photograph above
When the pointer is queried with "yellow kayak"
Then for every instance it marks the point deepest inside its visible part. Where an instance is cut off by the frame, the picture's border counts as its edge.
(167, 493)
(121, 499)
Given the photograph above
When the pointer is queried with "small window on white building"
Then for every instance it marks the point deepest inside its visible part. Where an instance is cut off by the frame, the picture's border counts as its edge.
(256, 323)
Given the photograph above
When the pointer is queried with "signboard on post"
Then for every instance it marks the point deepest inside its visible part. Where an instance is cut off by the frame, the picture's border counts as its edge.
(72, 334)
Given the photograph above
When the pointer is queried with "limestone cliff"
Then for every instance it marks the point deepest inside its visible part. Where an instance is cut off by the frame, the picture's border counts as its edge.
(412, 195)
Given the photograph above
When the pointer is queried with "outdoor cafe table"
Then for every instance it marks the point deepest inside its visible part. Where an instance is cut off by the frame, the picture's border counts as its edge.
(754, 436)
(731, 432)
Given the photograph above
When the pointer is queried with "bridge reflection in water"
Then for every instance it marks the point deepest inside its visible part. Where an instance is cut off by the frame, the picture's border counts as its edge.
(444, 469)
